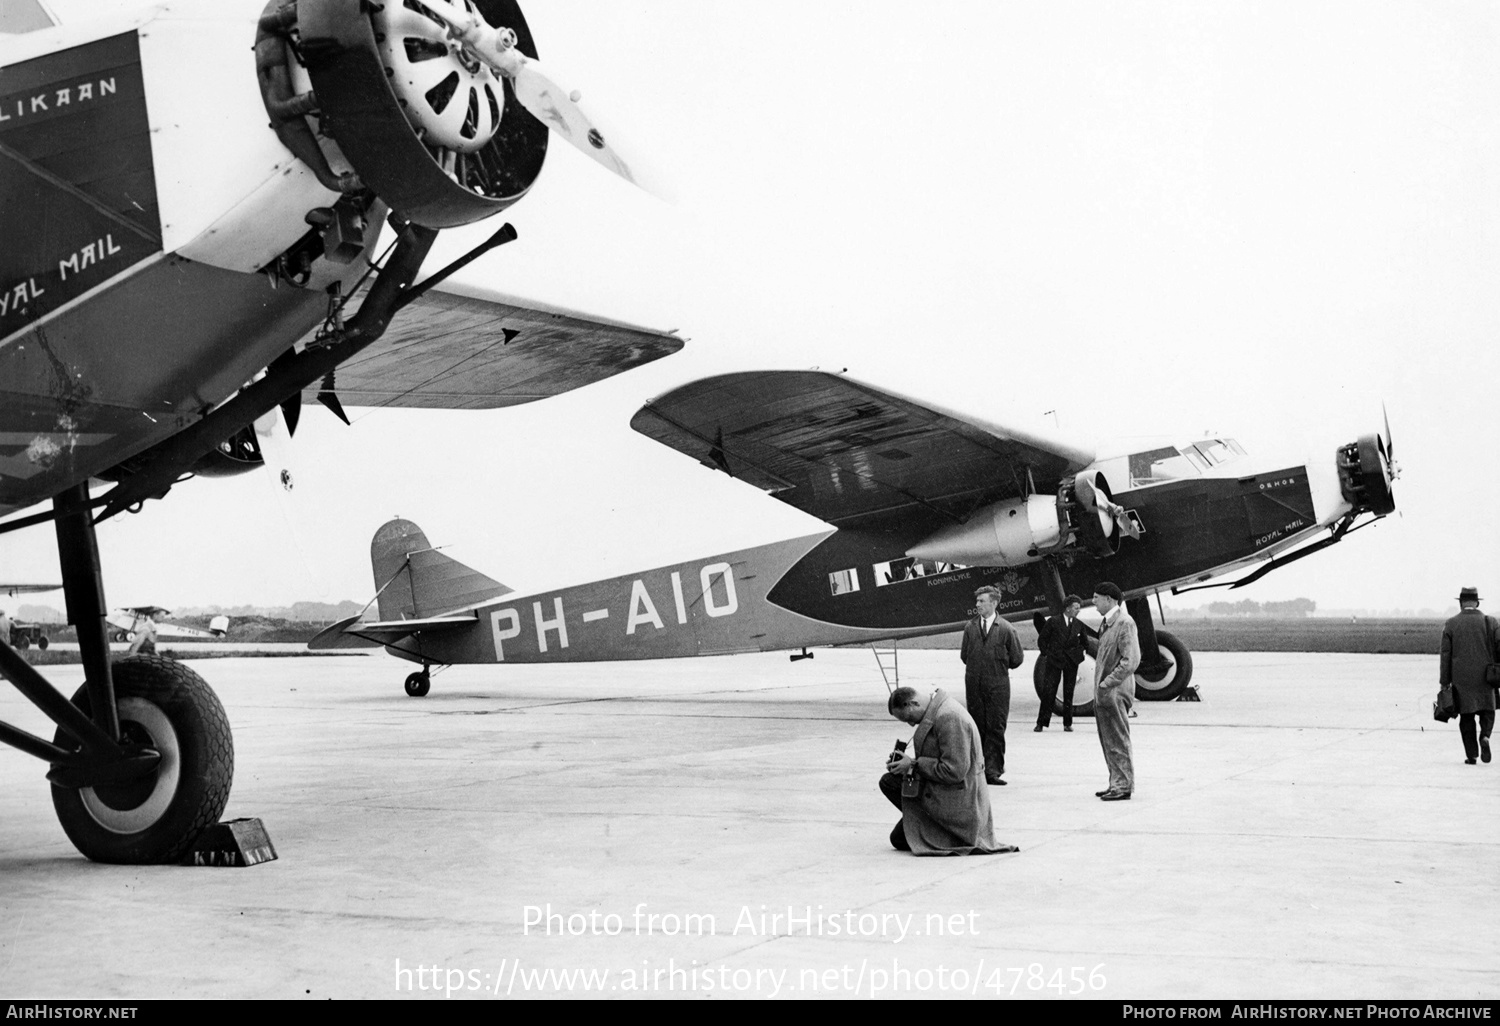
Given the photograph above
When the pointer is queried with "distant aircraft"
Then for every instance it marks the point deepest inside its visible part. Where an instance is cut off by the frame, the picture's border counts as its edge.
(192, 197)
(925, 505)
(127, 620)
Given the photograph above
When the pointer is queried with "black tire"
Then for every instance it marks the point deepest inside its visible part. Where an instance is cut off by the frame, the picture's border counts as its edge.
(23, 643)
(42, 643)
(157, 818)
(1079, 708)
(418, 684)
(1174, 679)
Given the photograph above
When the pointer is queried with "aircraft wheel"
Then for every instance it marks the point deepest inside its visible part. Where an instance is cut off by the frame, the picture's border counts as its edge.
(1085, 676)
(418, 684)
(157, 818)
(42, 642)
(1170, 681)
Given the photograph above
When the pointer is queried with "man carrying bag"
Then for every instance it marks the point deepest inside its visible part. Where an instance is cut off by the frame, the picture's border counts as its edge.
(1466, 655)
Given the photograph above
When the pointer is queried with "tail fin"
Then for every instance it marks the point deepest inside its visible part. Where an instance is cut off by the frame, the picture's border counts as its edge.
(415, 581)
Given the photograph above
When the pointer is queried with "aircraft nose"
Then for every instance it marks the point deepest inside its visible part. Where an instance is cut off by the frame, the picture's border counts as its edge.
(1367, 473)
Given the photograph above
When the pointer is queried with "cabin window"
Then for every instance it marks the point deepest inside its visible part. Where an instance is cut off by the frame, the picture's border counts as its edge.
(908, 569)
(842, 582)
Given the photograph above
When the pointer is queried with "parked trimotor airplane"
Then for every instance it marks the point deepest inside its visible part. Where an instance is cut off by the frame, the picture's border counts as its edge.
(926, 505)
(191, 203)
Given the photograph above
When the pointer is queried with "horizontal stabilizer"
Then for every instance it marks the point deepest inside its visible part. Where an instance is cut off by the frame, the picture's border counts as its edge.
(350, 633)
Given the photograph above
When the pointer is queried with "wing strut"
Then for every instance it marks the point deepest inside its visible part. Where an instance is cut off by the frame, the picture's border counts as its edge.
(1343, 527)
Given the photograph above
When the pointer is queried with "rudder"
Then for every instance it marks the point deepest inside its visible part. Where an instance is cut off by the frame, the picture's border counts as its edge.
(413, 580)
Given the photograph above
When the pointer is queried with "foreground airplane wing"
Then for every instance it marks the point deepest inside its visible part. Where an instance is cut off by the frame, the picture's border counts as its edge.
(840, 449)
(478, 351)
(27, 589)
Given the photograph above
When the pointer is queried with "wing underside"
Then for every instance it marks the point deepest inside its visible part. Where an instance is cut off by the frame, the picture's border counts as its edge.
(470, 352)
(842, 450)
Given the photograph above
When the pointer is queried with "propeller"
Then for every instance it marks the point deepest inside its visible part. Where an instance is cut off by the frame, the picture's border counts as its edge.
(550, 103)
(1388, 444)
(1112, 516)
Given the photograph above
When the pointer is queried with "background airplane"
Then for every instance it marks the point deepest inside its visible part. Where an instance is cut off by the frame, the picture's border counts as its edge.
(127, 620)
(193, 240)
(924, 506)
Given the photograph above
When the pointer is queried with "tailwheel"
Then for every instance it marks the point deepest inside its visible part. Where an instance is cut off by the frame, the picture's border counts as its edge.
(418, 684)
(1166, 680)
(156, 818)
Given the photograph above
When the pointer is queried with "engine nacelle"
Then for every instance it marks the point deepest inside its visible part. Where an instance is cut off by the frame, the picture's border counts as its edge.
(1008, 533)
(440, 140)
(1365, 475)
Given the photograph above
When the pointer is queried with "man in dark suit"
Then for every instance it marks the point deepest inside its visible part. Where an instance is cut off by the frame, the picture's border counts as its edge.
(1469, 642)
(1060, 640)
(990, 651)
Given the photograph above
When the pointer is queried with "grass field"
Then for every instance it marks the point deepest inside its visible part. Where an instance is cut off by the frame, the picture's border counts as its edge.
(1257, 634)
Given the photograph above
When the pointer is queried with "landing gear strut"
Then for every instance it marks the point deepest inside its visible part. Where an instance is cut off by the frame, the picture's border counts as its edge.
(142, 758)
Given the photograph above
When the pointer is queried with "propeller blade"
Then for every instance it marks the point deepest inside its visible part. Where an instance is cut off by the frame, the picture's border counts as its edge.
(1390, 443)
(556, 108)
(548, 102)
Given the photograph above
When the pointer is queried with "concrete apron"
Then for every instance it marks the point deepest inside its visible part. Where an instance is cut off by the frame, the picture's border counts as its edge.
(712, 827)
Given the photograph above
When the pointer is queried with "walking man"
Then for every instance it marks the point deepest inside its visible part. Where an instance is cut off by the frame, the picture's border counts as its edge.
(1469, 641)
(990, 650)
(1114, 689)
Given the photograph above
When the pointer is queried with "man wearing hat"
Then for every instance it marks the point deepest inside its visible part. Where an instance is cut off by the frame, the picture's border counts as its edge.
(1469, 642)
(1114, 689)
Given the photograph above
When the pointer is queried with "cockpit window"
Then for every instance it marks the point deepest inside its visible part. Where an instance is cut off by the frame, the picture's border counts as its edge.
(1157, 465)
(1219, 450)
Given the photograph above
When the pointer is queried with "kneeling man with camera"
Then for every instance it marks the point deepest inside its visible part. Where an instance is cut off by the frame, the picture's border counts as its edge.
(938, 784)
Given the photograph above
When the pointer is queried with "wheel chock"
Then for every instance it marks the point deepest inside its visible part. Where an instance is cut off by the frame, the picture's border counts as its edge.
(1190, 694)
(239, 842)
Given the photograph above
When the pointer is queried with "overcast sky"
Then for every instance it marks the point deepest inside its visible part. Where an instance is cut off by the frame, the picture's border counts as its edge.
(1257, 220)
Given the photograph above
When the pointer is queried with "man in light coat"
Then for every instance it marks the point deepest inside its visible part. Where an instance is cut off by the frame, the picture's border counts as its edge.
(1114, 689)
(945, 807)
(1469, 642)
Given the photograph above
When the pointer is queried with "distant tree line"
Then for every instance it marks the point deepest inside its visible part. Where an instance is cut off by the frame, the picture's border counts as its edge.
(1292, 607)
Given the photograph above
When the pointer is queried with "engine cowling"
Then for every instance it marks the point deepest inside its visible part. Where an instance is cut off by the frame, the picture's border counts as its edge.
(440, 139)
(1007, 533)
(1081, 516)
(1365, 475)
